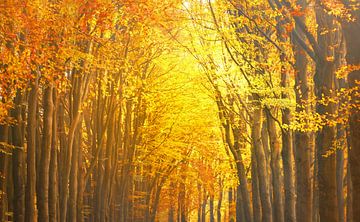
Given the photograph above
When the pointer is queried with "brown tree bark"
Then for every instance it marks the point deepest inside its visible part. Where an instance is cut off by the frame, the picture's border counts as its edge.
(261, 165)
(74, 102)
(219, 201)
(246, 205)
(73, 183)
(287, 154)
(255, 188)
(324, 84)
(43, 192)
(67, 165)
(211, 208)
(351, 32)
(30, 205)
(81, 180)
(107, 171)
(53, 168)
(231, 202)
(340, 182)
(240, 211)
(349, 190)
(275, 168)
(302, 139)
(199, 202)
(235, 145)
(61, 156)
(4, 162)
(203, 206)
(18, 163)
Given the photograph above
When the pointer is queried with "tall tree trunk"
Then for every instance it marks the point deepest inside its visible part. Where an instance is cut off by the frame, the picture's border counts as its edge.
(30, 205)
(81, 185)
(261, 165)
(324, 85)
(339, 183)
(245, 196)
(43, 195)
(18, 167)
(219, 201)
(340, 151)
(73, 183)
(351, 32)
(199, 202)
(4, 161)
(172, 204)
(61, 157)
(255, 188)
(287, 154)
(67, 164)
(203, 206)
(53, 175)
(315, 185)
(107, 178)
(275, 168)
(240, 211)
(211, 208)
(287, 151)
(349, 190)
(74, 103)
(302, 139)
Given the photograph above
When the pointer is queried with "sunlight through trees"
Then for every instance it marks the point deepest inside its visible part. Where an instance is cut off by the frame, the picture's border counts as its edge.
(179, 110)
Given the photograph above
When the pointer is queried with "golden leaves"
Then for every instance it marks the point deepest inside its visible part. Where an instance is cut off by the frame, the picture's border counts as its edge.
(344, 71)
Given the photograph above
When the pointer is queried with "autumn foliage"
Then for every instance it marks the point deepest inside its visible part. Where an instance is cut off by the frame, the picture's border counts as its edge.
(170, 110)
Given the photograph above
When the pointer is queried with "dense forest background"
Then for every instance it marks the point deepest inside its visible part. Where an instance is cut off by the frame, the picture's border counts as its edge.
(170, 110)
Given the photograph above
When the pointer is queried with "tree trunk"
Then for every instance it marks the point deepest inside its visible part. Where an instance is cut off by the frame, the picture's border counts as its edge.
(67, 166)
(240, 211)
(4, 160)
(287, 154)
(351, 32)
(211, 206)
(324, 85)
(275, 168)
(255, 189)
(43, 195)
(261, 165)
(203, 206)
(73, 183)
(81, 188)
(245, 196)
(53, 175)
(327, 168)
(339, 183)
(30, 205)
(107, 178)
(219, 201)
(302, 139)
(199, 202)
(18, 168)
(349, 203)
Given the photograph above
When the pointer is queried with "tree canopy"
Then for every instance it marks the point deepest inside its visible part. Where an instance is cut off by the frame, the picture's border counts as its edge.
(179, 110)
